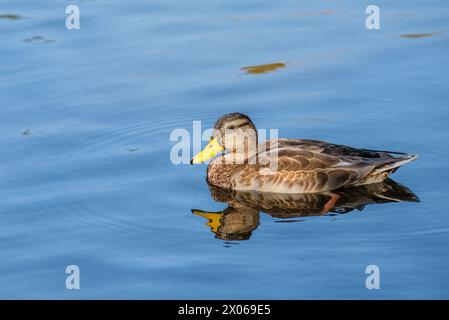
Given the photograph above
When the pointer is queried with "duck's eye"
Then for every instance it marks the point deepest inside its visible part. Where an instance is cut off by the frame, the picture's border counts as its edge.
(231, 127)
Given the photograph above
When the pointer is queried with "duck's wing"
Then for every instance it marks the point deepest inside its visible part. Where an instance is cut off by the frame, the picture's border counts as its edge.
(328, 148)
(385, 162)
(310, 166)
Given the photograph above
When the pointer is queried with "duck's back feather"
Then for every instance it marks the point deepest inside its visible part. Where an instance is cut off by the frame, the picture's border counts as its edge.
(313, 166)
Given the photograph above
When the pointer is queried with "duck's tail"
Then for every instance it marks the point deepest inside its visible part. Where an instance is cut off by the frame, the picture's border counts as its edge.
(386, 167)
(392, 164)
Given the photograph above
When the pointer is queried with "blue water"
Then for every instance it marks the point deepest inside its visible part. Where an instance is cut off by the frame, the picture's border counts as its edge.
(86, 116)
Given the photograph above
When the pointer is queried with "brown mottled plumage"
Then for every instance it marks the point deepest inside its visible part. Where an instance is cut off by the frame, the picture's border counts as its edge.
(292, 165)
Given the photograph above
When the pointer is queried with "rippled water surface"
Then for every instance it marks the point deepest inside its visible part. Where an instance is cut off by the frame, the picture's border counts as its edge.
(85, 171)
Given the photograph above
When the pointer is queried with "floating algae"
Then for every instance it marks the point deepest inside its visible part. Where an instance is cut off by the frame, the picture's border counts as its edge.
(264, 68)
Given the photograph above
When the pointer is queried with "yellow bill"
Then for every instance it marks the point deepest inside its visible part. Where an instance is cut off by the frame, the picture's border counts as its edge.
(209, 151)
(213, 218)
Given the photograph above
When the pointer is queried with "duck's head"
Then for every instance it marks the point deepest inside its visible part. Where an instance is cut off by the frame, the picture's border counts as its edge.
(232, 223)
(234, 133)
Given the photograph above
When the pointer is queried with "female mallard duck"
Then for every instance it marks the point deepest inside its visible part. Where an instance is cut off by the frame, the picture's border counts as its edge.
(289, 165)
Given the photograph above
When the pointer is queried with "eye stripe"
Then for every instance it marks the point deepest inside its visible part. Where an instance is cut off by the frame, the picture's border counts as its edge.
(231, 127)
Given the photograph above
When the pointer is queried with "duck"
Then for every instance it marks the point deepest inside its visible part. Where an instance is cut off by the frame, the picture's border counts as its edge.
(288, 165)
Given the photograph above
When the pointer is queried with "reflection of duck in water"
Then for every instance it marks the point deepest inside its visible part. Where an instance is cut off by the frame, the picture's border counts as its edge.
(289, 165)
(231, 223)
(242, 215)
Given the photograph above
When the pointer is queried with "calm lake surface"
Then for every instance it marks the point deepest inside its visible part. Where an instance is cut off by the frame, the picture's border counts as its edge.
(86, 117)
